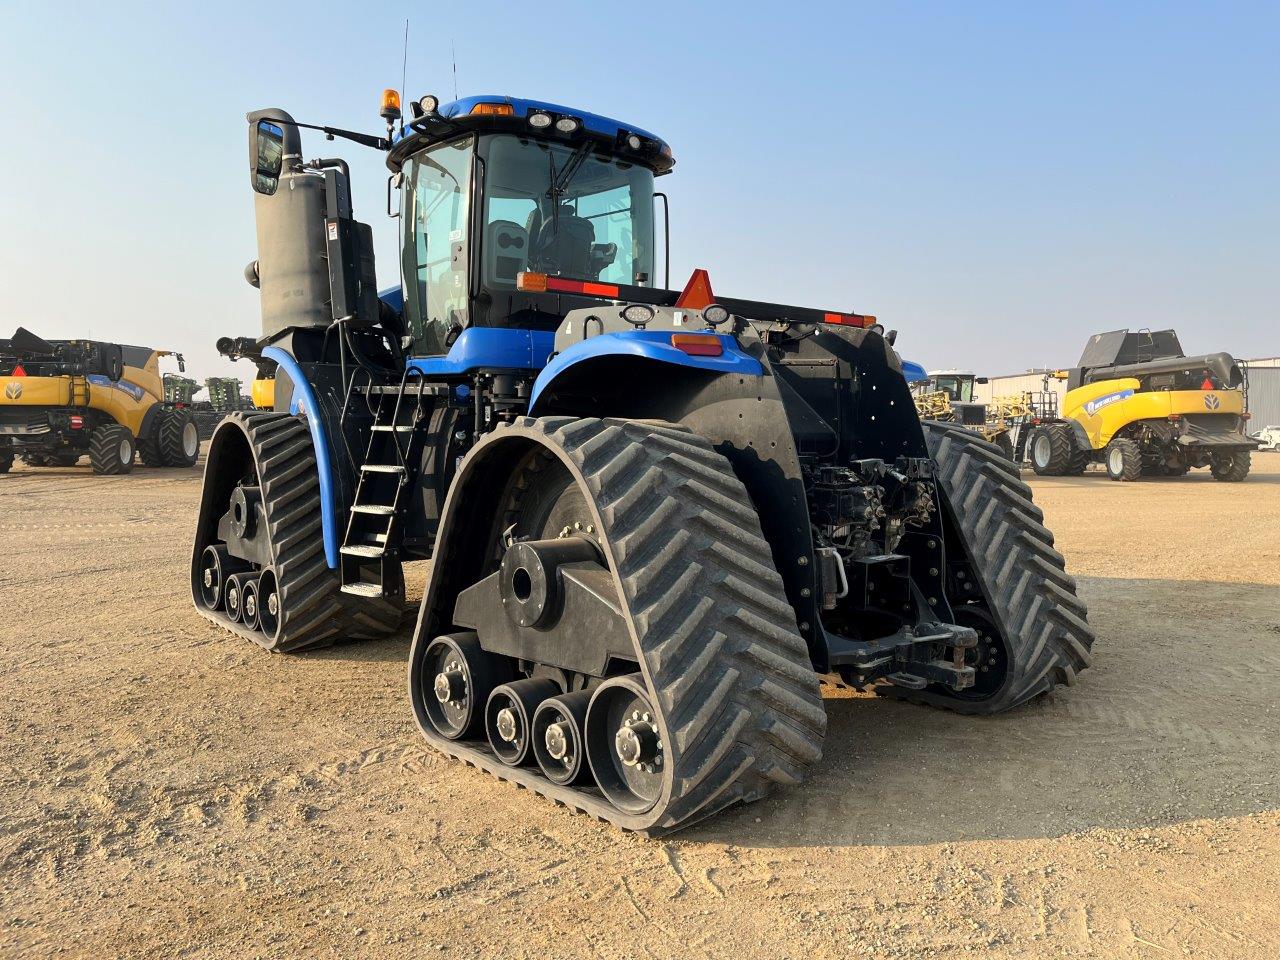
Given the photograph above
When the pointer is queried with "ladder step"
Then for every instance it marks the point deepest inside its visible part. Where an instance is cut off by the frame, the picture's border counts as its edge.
(361, 550)
(380, 468)
(398, 427)
(362, 589)
(377, 509)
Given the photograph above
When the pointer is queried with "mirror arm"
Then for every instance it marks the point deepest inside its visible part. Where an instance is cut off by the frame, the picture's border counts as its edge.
(364, 139)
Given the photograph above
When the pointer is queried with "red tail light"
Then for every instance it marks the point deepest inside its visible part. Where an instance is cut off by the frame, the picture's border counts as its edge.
(18, 371)
(77, 423)
(848, 319)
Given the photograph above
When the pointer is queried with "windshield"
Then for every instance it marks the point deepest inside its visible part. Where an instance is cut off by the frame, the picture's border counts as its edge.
(959, 389)
(565, 210)
(434, 252)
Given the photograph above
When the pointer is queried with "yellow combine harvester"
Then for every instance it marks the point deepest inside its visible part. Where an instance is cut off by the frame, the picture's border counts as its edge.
(63, 399)
(1139, 405)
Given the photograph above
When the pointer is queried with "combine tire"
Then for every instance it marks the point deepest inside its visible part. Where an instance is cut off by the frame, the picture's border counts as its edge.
(111, 449)
(1032, 629)
(177, 439)
(1124, 460)
(6, 461)
(1230, 467)
(1051, 449)
(297, 591)
(720, 701)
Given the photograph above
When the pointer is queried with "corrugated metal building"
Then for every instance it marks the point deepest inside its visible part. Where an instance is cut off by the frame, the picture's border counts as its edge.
(1264, 393)
(1263, 375)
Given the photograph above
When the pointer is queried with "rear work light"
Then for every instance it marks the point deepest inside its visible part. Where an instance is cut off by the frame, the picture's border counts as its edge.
(529, 282)
(698, 344)
(493, 110)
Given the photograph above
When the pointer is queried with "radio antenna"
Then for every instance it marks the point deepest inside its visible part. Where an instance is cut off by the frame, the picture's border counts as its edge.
(453, 47)
(404, 70)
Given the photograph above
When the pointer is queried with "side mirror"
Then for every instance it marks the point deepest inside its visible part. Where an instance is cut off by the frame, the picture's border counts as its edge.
(981, 380)
(182, 364)
(269, 150)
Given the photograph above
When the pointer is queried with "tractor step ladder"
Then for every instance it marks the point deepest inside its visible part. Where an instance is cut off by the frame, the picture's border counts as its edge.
(370, 552)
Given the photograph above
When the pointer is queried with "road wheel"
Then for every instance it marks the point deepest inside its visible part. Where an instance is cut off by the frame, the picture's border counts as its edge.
(1124, 460)
(1230, 467)
(111, 449)
(1051, 448)
(178, 438)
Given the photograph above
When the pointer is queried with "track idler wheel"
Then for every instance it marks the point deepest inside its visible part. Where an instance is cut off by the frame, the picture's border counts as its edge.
(458, 677)
(624, 747)
(216, 564)
(558, 738)
(233, 596)
(268, 603)
(249, 602)
(508, 717)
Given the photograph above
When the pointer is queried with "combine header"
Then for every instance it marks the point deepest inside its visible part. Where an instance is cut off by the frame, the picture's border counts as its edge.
(655, 518)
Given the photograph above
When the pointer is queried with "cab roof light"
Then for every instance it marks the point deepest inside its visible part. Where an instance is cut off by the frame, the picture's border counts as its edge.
(493, 110)
(698, 344)
(529, 282)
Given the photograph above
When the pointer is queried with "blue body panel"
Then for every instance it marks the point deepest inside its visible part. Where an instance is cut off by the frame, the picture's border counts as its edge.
(522, 107)
(304, 402)
(913, 372)
(393, 297)
(490, 348)
(651, 345)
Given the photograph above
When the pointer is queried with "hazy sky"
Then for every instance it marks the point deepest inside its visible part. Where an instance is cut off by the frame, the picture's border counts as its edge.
(996, 181)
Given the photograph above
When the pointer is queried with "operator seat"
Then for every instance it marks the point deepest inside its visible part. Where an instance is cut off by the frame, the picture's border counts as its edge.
(562, 245)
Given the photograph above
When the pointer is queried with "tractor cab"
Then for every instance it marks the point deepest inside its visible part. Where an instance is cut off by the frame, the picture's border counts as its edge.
(499, 196)
(956, 384)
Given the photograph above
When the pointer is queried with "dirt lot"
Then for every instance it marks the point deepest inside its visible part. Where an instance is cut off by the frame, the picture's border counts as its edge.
(168, 791)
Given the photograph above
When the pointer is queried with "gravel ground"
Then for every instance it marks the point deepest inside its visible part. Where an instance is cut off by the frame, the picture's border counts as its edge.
(166, 790)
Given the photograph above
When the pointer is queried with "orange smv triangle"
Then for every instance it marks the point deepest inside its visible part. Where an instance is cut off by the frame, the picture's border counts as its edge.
(697, 292)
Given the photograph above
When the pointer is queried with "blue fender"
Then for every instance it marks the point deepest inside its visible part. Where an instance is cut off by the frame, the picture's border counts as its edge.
(650, 345)
(304, 403)
(913, 372)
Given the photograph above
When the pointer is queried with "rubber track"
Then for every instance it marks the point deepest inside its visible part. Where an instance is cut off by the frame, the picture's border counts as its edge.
(1023, 577)
(739, 704)
(315, 613)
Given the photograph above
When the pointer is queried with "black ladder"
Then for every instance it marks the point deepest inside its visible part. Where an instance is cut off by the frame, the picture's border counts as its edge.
(370, 552)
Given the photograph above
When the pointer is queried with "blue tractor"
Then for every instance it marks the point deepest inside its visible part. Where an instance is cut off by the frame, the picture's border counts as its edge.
(655, 518)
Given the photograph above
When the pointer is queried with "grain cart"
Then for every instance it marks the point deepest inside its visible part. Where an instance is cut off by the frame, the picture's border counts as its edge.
(1139, 405)
(62, 399)
(655, 517)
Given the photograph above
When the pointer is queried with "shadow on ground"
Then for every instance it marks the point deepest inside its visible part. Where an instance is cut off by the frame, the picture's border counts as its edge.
(1175, 721)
